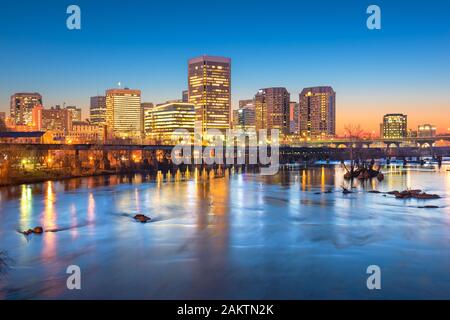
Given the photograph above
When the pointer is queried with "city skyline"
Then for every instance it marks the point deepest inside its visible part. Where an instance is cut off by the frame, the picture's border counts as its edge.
(377, 71)
(253, 152)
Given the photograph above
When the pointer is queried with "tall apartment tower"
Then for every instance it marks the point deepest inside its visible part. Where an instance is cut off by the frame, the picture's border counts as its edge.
(317, 109)
(272, 109)
(123, 113)
(21, 107)
(209, 80)
(97, 111)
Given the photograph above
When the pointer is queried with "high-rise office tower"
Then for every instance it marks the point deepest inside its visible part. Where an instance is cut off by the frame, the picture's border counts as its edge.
(146, 108)
(97, 112)
(244, 117)
(317, 108)
(395, 125)
(209, 81)
(76, 113)
(185, 96)
(21, 107)
(123, 113)
(162, 121)
(272, 109)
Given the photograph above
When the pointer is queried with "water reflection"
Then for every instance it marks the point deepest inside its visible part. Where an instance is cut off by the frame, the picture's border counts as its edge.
(26, 205)
(48, 222)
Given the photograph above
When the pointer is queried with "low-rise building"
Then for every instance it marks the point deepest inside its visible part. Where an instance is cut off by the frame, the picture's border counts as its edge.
(426, 131)
(22, 137)
(84, 132)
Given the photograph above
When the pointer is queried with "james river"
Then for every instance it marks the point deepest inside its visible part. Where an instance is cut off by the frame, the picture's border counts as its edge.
(244, 236)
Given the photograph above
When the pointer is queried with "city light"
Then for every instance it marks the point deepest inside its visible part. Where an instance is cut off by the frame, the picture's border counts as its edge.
(262, 151)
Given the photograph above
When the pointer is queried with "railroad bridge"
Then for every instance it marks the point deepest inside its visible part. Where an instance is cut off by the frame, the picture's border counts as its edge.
(105, 156)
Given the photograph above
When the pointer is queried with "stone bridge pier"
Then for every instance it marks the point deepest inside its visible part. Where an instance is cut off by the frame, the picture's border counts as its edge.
(425, 143)
(389, 143)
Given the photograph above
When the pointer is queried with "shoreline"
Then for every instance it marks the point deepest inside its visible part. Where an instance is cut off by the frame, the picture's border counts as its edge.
(17, 181)
(28, 180)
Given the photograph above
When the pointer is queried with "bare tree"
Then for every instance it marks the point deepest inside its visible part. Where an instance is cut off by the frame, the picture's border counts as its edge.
(354, 134)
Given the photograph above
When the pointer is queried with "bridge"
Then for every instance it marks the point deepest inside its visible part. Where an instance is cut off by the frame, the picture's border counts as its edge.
(323, 150)
(25, 162)
(422, 142)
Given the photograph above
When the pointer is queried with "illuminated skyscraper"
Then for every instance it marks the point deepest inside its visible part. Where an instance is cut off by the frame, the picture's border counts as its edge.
(146, 108)
(209, 81)
(317, 109)
(395, 125)
(272, 109)
(123, 113)
(98, 110)
(244, 117)
(21, 107)
(185, 96)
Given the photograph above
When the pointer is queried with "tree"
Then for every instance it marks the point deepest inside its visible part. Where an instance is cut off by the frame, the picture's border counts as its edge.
(354, 134)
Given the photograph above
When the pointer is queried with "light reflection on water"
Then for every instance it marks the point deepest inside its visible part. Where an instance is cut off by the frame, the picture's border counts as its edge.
(244, 236)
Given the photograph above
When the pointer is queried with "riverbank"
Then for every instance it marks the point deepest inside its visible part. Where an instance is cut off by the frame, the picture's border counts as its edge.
(61, 175)
(38, 177)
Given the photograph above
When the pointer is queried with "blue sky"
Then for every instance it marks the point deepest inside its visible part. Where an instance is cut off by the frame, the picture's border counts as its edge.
(405, 67)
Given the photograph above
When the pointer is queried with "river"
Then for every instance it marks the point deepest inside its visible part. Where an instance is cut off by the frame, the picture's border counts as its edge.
(243, 236)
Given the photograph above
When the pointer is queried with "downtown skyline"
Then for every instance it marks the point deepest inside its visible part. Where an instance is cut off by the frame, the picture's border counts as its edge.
(372, 72)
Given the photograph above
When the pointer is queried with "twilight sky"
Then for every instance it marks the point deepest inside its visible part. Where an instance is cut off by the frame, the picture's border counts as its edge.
(405, 67)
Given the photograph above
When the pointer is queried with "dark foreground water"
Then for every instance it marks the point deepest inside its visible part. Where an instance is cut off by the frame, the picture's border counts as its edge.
(240, 237)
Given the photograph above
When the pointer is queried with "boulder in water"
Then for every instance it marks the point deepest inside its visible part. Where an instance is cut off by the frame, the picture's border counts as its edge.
(35, 230)
(346, 191)
(141, 218)
(38, 230)
(417, 194)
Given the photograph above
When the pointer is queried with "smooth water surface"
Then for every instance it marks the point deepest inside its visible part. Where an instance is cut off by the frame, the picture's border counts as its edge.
(244, 236)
